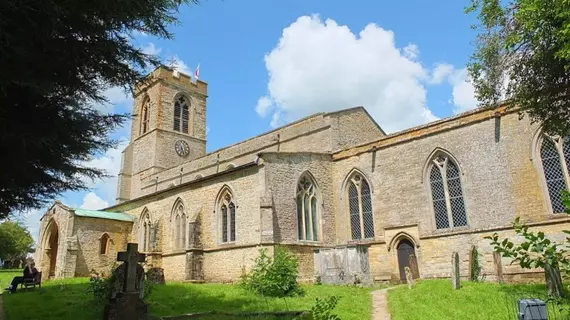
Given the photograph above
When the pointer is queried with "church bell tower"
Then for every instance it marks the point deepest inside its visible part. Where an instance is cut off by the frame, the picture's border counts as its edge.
(168, 128)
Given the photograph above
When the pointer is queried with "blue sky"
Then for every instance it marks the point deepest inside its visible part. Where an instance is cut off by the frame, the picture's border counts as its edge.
(270, 62)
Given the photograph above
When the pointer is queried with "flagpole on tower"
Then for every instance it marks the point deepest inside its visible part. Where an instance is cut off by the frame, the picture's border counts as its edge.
(197, 72)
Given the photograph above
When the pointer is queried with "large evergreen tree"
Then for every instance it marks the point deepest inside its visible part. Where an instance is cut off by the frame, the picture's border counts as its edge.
(523, 58)
(56, 58)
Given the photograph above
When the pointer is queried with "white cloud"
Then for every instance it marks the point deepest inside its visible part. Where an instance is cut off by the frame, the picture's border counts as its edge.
(150, 48)
(441, 72)
(116, 96)
(411, 51)
(276, 120)
(463, 91)
(140, 33)
(93, 202)
(110, 162)
(263, 105)
(179, 65)
(322, 66)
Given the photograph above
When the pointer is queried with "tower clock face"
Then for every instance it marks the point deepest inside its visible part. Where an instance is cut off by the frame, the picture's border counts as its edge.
(182, 148)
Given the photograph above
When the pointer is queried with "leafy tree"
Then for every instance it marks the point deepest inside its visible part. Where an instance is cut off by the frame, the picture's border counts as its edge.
(522, 56)
(15, 241)
(57, 58)
(273, 276)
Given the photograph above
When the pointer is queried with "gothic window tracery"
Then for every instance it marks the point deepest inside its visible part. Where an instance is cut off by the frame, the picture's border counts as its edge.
(447, 193)
(145, 226)
(555, 157)
(179, 233)
(227, 210)
(145, 118)
(307, 209)
(360, 207)
(181, 115)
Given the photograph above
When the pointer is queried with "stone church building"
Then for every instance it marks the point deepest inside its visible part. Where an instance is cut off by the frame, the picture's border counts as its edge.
(350, 201)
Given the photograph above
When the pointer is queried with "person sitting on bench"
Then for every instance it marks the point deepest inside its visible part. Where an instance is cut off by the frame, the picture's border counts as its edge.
(30, 272)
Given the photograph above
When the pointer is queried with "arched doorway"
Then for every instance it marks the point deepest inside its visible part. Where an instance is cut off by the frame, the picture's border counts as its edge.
(51, 244)
(406, 258)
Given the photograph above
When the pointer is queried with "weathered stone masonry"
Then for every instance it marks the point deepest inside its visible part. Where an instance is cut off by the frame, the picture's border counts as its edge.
(186, 209)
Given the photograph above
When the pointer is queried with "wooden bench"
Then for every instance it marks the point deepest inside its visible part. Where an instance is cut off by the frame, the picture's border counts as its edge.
(33, 282)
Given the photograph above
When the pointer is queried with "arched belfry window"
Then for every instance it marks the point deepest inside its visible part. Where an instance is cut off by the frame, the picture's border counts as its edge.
(181, 114)
(446, 193)
(307, 209)
(555, 156)
(227, 216)
(179, 226)
(145, 116)
(145, 226)
(360, 207)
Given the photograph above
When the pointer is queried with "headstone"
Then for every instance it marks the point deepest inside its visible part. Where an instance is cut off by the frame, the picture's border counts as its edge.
(455, 275)
(127, 304)
(155, 276)
(414, 266)
(553, 282)
(497, 263)
(409, 277)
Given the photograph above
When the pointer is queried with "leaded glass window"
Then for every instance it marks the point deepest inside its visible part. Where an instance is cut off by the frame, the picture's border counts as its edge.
(227, 217)
(145, 118)
(181, 115)
(447, 193)
(555, 155)
(145, 231)
(360, 208)
(307, 209)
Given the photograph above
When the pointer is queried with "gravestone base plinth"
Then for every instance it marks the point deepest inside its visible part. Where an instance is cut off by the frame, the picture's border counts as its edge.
(126, 306)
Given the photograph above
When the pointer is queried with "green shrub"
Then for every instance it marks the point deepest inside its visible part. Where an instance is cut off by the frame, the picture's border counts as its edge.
(322, 310)
(99, 287)
(273, 276)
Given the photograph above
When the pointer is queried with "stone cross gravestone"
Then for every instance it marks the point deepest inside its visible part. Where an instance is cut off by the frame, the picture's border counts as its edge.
(128, 305)
(455, 275)
(409, 277)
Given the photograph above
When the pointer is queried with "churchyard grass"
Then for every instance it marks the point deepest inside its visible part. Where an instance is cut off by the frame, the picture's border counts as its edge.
(6, 276)
(67, 299)
(435, 299)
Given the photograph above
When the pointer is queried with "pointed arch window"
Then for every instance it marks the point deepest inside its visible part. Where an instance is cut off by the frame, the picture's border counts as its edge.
(145, 118)
(145, 231)
(447, 193)
(360, 208)
(227, 209)
(555, 156)
(181, 115)
(307, 209)
(179, 232)
(104, 244)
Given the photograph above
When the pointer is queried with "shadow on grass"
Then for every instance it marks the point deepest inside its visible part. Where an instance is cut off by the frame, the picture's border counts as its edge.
(179, 298)
(69, 299)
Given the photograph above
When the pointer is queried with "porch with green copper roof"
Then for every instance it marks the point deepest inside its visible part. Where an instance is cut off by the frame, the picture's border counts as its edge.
(119, 216)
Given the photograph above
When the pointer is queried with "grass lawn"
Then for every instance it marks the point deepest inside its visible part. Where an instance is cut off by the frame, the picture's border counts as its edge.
(6, 276)
(434, 299)
(67, 299)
